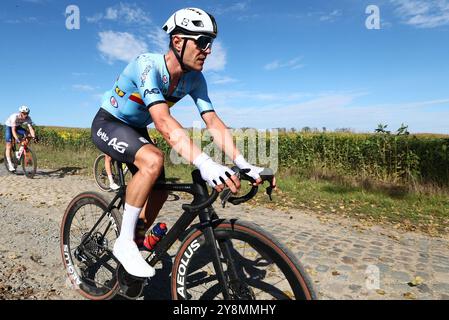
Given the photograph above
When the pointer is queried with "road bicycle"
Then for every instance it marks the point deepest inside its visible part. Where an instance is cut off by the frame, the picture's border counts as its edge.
(23, 156)
(100, 175)
(216, 258)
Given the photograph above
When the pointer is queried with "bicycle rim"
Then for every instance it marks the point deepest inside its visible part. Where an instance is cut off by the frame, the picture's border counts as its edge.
(100, 175)
(91, 267)
(265, 269)
(29, 163)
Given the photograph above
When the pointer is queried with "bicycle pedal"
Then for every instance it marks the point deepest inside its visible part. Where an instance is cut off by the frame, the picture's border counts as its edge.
(131, 286)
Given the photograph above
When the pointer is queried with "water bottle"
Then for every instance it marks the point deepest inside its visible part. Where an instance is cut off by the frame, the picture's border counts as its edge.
(156, 234)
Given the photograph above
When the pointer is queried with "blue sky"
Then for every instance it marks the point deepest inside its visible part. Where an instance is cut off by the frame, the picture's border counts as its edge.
(275, 63)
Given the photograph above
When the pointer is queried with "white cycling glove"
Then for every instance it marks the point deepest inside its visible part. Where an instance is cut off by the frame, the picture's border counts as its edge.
(254, 172)
(211, 171)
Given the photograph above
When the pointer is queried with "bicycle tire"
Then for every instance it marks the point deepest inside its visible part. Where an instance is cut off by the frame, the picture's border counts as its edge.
(83, 274)
(29, 170)
(193, 271)
(100, 175)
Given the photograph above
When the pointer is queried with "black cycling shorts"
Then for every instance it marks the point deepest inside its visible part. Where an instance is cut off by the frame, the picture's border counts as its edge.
(118, 139)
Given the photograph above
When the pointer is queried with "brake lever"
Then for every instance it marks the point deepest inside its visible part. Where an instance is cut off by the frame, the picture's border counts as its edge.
(225, 195)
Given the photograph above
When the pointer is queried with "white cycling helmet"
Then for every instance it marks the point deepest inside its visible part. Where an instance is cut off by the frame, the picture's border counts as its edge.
(191, 21)
(24, 109)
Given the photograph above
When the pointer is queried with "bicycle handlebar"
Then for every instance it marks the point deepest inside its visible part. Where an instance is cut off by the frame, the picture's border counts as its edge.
(203, 205)
(266, 175)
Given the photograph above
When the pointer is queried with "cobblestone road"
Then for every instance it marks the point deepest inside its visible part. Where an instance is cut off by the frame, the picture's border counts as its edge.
(344, 259)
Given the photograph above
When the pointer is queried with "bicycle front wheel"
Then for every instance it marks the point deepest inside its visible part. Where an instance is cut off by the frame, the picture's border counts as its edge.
(87, 251)
(29, 163)
(256, 266)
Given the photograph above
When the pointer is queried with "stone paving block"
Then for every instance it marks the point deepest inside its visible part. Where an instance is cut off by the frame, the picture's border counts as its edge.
(322, 268)
(349, 260)
(441, 270)
(344, 268)
(400, 276)
(441, 287)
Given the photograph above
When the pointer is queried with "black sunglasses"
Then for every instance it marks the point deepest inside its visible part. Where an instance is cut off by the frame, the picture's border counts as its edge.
(202, 42)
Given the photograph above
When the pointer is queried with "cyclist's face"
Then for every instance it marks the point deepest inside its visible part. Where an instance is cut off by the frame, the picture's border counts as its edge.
(194, 57)
(23, 115)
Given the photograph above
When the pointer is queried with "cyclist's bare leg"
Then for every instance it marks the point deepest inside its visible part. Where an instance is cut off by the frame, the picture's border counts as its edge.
(8, 152)
(149, 160)
(107, 164)
(108, 168)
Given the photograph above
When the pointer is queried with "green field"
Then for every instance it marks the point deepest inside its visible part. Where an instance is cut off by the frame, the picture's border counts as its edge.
(376, 178)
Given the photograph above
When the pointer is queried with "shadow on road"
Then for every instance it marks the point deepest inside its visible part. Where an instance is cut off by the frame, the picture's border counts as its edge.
(61, 172)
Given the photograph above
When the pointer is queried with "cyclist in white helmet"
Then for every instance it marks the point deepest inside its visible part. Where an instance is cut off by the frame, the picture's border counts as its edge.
(142, 95)
(14, 130)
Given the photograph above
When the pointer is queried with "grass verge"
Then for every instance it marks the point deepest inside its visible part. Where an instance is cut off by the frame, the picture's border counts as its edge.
(328, 196)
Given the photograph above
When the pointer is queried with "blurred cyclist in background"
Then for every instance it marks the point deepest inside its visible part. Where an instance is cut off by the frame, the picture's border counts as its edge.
(14, 131)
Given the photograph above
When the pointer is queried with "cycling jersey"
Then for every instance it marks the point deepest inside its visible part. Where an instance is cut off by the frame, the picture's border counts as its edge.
(146, 82)
(14, 120)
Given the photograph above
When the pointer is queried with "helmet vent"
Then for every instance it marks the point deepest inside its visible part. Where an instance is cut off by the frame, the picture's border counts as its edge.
(198, 23)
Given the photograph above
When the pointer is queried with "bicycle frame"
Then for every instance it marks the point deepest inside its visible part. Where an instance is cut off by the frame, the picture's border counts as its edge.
(24, 142)
(207, 219)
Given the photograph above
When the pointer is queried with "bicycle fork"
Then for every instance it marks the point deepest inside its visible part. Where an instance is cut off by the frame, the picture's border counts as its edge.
(211, 241)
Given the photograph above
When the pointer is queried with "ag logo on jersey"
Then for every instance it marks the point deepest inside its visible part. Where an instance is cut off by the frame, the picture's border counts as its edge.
(118, 146)
(152, 91)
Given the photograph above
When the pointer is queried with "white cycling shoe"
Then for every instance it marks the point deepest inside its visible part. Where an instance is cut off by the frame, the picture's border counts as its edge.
(11, 167)
(114, 186)
(128, 254)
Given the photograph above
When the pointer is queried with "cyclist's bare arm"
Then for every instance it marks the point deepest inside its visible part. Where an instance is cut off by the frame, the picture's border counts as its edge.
(32, 132)
(178, 139)
(223, 138)
(14, 133)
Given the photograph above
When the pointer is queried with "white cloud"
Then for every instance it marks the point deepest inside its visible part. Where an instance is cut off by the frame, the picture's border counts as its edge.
(341, 111)
(291, 64)
(121, 46)
(159, 40)
(316, 110)
(83, 87)
(124, 13)
(216, 78)
(79, 74)
(236, 7)
(331, 16)
(21, 20)
(216, 61)
(423, 14)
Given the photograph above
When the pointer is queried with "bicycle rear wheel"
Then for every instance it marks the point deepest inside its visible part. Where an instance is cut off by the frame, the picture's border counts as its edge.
(29, 163)
(256, 266)
(100, 175)
(87, 257)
